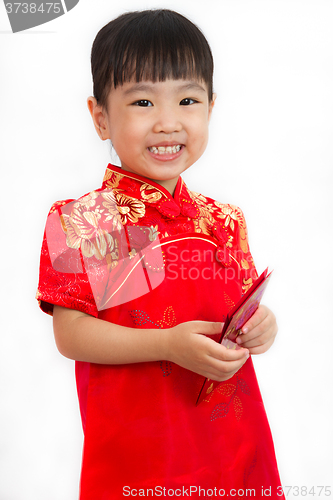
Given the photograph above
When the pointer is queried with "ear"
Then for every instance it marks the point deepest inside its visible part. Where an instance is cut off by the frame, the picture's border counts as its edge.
(98, 115)
(211, 105)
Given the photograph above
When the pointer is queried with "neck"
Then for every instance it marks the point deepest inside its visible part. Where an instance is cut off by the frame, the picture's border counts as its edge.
(169, 185)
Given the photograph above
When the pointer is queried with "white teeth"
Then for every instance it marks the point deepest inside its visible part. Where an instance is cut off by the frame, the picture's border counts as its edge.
(161, 150)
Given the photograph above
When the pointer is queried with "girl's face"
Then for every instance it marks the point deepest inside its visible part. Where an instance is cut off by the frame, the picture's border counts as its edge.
(157, 129)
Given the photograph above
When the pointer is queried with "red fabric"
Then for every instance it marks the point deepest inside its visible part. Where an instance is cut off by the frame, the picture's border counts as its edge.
(142, 428)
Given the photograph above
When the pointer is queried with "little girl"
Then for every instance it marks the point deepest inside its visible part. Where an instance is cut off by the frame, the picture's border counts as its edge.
(139, 276)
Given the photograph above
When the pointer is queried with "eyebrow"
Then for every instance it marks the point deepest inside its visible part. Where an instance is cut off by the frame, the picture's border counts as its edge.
(146, 87)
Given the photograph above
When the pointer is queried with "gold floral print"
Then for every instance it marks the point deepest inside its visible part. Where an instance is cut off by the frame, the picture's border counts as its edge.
(83, 232)
(228, 214)
(150, 197)
(130, 209)
(113, 213)
(112, 179)
(202, 202)
(153, 233)
(247, 283)
(88, 201)
(245, 264)
(202, 225)
(205, 221)
(242, 229)
(57, 205)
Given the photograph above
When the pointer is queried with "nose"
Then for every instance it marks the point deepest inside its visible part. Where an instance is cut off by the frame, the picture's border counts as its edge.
(167, 121)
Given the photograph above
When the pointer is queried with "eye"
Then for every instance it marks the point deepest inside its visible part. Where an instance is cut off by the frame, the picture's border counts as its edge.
(143, 103)
(187, 101)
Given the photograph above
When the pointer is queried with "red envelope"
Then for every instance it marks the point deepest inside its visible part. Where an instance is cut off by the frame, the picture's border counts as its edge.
(236, 319)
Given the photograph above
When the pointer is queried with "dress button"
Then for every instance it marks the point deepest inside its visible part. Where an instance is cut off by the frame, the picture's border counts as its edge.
(221, 233)
(190, 209)
(169, 208)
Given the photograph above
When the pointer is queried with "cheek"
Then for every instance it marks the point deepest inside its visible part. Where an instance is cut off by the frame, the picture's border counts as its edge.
(200, 134)
(132, 132)
(123, 136)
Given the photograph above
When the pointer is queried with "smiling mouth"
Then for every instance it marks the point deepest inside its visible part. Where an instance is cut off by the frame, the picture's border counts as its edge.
(163, 150)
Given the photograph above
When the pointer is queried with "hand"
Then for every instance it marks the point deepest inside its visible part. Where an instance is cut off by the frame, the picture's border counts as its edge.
(188, 346)
(258, 333)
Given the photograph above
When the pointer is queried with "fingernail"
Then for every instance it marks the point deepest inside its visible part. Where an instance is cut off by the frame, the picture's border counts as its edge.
(245, 329)
(239, 340)
(247, 354)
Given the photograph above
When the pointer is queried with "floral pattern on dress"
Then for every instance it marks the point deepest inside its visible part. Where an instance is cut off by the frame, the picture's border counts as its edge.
(232, 390)
(151, 197)
(129, 209)
(141, 318)
(94, 224)
(228, 214)
(84, 232)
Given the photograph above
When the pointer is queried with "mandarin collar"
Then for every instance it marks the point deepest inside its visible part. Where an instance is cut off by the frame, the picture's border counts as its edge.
(148, 191)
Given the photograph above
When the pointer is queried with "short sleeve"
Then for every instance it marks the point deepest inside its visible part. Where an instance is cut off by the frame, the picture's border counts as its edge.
(248, 271)
(62, 279)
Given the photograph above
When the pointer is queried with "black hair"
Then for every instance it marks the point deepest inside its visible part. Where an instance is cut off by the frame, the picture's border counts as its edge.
(149, 45)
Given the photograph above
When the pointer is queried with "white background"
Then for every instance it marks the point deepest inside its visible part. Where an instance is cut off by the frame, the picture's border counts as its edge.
(270, 152)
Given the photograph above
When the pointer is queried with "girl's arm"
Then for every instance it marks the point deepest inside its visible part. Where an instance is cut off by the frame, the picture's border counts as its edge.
(85, 338)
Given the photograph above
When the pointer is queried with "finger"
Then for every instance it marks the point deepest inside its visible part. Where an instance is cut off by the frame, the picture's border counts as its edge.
(220, 371)
(265, 327)
(260, 315)
(262, 348)
(221, 353)
(260, 335)
(261, 340)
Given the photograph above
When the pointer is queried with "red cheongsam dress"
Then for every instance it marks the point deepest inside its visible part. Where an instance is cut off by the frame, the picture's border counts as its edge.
(132, 254)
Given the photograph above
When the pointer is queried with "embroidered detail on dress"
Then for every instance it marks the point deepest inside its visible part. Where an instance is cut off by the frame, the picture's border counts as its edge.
(141, 318)
(230, 303)
(231, 391)
(154, 260)
(166, 367)
(169, 318)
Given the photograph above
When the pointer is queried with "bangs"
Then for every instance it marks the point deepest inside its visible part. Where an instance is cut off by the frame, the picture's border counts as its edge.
(151, 45)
